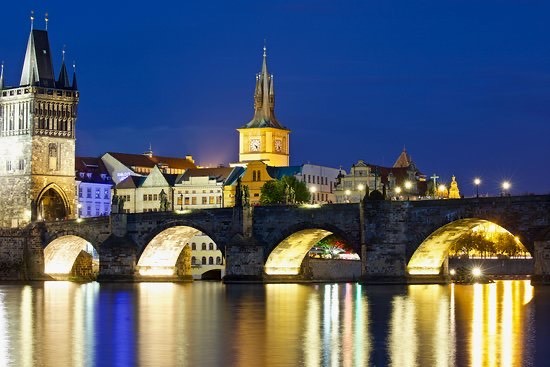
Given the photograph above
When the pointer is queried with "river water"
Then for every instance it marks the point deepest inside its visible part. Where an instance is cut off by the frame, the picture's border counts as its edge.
(211, 324)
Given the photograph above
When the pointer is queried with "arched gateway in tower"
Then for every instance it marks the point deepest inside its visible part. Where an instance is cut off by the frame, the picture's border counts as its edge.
(264, 138)
(37, 139)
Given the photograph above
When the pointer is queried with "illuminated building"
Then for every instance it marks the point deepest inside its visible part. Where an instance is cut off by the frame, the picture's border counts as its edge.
(403, 178)
(264, 138)
(93, 187)
(37, 139)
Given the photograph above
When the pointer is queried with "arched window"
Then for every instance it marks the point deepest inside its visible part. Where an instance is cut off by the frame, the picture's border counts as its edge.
(204, 260)
(218, 260)
(253, 175)
(193, 246)
(210, 246)
(210, 260)
(259, 179)
(204, 246)
(193, 260)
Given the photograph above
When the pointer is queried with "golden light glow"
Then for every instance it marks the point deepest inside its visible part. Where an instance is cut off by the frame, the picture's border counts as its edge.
(408, 185)
(442, 188)
(476, 272)
(506, 185)
(477, 181)
(452, 272)
(161, 254)
(397, 190)
(360, 187)
(61, 253)
(287, 257)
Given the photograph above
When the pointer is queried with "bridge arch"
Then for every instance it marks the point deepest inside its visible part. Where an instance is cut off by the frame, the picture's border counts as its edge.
(170, 250)
(287, 253)
(431, 254)
(69, 256)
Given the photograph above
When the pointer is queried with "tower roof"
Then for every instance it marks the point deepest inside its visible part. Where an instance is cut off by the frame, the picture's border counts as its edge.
(404, 159)
(38, 67)
(63, 80)
(264, 100)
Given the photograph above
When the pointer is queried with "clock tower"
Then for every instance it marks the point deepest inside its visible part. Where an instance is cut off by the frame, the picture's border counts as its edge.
(264, 138)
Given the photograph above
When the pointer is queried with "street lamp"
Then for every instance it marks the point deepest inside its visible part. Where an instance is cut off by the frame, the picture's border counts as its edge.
(505, 187)
(312, 191)
(408, 186)
(348, 193)
(360, 187)
(181, 201)
(477, 181)
(441, 189)
(397, 191)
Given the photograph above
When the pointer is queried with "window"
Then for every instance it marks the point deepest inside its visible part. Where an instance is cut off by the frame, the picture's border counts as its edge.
(150, 197)
(210, 260)
(193, 201)
(8, 166)
(155, 197)
(204, 191)
(204, 200)
(210, 246)
(211, 200)
(253, 175)
(259, 176)
(204, 260)
(144, 197)
(97, 210)
(204, 246)
(218, 260)
(97, 194)
(193, 260)
(193, 246)
(89, 192)
(21, 164)
(79, 191)
(106, 194)
(186, 200)
(88, 211)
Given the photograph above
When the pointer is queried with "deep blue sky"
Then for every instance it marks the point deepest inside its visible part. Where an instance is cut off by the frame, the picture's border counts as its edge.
(464, 85)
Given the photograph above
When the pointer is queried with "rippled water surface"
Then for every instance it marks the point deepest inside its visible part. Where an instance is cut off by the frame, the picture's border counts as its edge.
(212, 324)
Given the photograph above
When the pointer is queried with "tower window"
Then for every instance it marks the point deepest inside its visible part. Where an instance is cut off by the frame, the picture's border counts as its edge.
(21, 164)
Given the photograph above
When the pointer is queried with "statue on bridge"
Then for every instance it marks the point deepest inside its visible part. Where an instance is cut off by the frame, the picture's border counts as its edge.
(117, 203)
(163, 201)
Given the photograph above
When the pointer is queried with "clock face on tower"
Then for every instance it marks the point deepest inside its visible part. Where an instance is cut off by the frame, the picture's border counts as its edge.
(254, 145)
(278, 145)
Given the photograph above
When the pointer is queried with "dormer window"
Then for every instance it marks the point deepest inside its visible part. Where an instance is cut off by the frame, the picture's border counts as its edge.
(103, 176)
(81, 174)
(89, 174)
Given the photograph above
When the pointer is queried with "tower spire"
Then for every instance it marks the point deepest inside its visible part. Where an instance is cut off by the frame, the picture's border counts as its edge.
(63, 79)
(32, 19)
(2, 76)
(74, 85)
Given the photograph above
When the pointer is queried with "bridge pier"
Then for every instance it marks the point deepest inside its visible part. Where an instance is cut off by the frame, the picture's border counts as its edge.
(542, 263)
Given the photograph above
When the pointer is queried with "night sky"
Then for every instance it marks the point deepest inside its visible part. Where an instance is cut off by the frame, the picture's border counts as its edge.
(463, 85)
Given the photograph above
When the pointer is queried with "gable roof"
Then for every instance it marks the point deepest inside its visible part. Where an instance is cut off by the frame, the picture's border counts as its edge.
(131, 182)
(93, 170)
(140, 160)
(218, 173)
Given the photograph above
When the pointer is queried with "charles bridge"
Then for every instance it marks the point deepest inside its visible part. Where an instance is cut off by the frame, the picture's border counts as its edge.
(398, 241)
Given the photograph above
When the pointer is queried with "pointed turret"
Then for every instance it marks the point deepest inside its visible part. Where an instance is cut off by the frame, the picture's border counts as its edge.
(404, 159)
(264, 99)
(2, 77)
(63, 80)
(38, 67)
(74, 85)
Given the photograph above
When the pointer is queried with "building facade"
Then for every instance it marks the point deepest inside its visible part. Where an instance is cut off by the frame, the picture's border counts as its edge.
(37, 139)
(93, 187)
(402, 180)
(264, 138)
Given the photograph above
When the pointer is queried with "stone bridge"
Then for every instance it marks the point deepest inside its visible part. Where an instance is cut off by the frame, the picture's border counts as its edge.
(398, 241)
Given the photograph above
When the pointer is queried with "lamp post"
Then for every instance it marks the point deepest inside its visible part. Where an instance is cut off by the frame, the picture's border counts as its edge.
(312, 191)
(360, 187)
(408, 186)
(505, 187)
(181, 201)
(477, 181)
(347, 192)
(441, 189)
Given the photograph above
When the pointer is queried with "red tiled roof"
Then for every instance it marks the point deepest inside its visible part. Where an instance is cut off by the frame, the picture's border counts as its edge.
(140, 160)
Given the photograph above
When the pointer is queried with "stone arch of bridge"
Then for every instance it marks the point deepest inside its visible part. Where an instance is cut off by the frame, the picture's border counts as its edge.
(167, 252)
(289, 250)
(61, 253)
(429, 257)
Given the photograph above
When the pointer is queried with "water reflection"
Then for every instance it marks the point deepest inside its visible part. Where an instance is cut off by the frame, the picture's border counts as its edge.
(211, 324)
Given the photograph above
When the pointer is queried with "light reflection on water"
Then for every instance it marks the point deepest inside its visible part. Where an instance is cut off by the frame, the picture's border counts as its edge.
(211, 324)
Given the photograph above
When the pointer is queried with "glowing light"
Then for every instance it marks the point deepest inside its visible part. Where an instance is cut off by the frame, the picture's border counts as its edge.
(477, 181)
(397, 190)
(442, 188)
(360, 187)
(452, 272)
(348, 192)
(506, 185)
(310, 206)
(476, 272)
(61, 253)
(408, 185)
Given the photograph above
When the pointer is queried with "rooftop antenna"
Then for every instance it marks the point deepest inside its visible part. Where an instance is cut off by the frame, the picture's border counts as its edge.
(46, 19)
(32, 19)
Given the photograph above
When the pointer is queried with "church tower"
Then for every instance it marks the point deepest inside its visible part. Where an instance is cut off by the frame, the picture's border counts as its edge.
(264, 138)
(37, 139)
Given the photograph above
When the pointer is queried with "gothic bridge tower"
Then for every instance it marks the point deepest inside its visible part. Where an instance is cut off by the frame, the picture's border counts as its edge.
(37, 139)
(264, 138)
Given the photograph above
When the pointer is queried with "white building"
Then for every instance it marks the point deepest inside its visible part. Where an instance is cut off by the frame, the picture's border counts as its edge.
(93, 187)
(205, 258)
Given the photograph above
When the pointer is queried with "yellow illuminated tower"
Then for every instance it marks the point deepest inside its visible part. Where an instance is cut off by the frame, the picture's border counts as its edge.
(37, 139)
(264, 138)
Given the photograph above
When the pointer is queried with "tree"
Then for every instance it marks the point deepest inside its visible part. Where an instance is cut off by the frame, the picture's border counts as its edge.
(287, 190)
